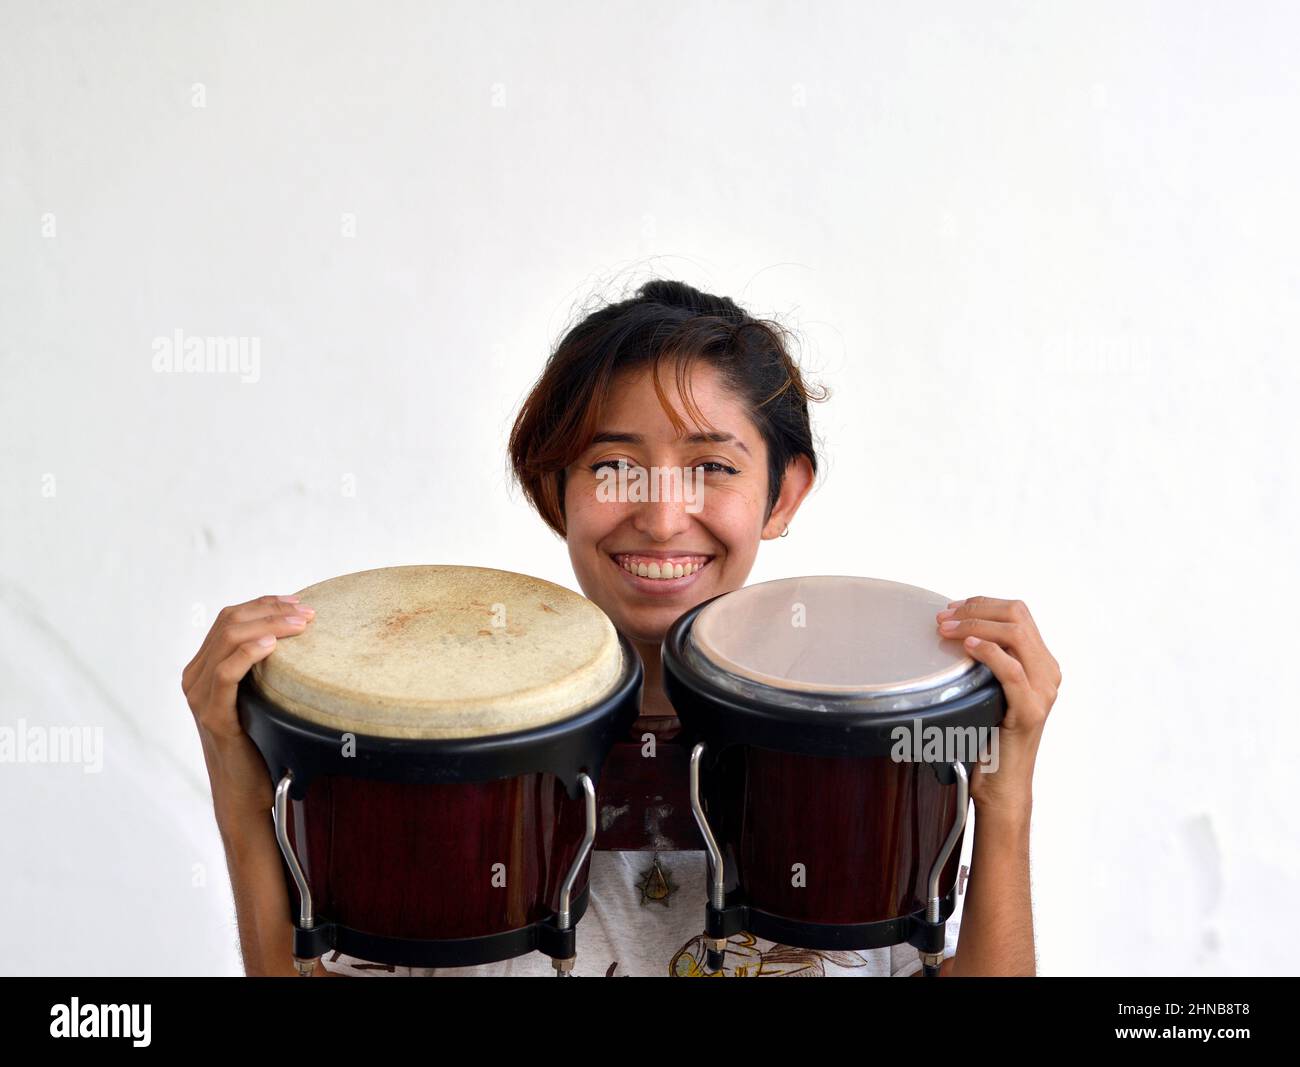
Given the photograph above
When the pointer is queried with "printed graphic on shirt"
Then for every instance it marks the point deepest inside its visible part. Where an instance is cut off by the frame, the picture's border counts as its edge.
(357, 965)
(656, 883)
(744, 959)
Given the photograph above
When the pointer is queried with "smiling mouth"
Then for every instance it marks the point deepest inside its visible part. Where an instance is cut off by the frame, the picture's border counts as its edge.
(661, 568)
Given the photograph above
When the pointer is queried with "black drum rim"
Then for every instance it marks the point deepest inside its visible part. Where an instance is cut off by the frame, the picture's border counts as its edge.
(721, 718)
(567, 748)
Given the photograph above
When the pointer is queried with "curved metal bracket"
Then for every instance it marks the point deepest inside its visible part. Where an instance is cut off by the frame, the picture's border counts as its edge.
(717, 880)
(932, 960)
(954, 835)
(714, 947)
(306, 918)
(280, 816)
(564, 968)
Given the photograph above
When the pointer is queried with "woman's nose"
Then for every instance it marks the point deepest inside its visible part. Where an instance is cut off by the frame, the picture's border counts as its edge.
(662, 520)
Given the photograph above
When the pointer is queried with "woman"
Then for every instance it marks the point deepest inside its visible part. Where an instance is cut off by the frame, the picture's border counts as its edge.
(678, 380)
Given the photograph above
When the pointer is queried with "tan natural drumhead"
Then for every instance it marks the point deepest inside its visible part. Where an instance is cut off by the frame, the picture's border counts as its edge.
(833, 635)
(443, 652)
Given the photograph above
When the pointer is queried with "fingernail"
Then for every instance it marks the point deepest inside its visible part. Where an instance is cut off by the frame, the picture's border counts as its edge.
(309, 612)
(956, 603)
(972, 642)
(946, 614)
(267, 641)
(295, 620)
(287, 599)
(950, 625)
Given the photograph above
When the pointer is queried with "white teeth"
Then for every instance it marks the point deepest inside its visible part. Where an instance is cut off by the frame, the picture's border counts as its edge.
(660, 571)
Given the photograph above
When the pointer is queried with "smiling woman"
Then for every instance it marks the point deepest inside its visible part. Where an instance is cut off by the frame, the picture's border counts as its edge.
(706, 407)
(667, 436)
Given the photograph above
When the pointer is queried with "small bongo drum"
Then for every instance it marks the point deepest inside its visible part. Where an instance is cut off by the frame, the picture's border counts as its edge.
(831, 809)
(436, 736)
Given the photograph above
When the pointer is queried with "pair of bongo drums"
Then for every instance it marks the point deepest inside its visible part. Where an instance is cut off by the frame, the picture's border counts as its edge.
(437, 735)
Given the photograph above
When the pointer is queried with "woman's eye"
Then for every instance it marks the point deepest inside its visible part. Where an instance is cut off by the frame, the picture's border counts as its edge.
(614, 464)
(710, 467)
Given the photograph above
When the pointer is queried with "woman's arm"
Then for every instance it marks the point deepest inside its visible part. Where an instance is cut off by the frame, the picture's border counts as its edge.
(241, 786)
(261, 898)
(262, 906)
(262, 903)
(997, 925)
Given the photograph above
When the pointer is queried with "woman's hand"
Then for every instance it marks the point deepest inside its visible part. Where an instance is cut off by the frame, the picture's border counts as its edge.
(241, 636)
(1002, 635)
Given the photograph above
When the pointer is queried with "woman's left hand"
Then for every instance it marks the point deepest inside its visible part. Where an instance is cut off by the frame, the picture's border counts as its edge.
(1002, 635)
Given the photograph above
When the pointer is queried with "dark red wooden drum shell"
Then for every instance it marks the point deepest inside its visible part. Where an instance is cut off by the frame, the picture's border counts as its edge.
(866, 831)
(409, 860)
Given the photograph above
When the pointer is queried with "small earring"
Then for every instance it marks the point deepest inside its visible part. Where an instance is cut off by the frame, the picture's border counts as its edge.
(785, 532)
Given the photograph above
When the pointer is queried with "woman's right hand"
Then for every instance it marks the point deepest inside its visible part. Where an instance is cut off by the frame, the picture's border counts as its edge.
(242, 635)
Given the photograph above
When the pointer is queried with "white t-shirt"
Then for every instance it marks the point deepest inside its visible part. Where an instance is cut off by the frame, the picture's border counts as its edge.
(643, 922)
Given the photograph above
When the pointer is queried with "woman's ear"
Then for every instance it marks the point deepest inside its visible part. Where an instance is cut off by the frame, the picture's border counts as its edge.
(796, 483)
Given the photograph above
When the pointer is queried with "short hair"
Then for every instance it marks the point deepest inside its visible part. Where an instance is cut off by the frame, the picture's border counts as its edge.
(665, 321)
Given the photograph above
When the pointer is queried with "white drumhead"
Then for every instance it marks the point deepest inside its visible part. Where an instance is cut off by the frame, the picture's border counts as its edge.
(833, 635)
(443, 652)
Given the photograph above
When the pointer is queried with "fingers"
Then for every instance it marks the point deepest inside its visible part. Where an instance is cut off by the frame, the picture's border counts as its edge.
(238, 633)
(258, 637)
(1006, 634)
(242, 635)
(218, 714)
(1009, 624)
(261, 607)
(994, 609)
(1010, 672)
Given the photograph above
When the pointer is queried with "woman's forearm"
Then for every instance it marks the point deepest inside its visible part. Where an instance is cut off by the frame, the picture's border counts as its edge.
(261, 897)
(997, 923)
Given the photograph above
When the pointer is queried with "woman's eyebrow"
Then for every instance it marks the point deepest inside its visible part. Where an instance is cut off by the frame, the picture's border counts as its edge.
(619, 437)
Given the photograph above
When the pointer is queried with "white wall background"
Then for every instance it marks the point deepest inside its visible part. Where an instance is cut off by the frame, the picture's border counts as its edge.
(1044, 255)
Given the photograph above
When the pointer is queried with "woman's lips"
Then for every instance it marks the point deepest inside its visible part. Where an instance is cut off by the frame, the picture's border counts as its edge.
(691, 566)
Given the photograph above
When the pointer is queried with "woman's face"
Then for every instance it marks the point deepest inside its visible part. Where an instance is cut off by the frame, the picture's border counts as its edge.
(643, 560)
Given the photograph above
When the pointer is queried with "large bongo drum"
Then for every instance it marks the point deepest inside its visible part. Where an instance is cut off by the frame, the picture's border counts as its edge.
(833, 732)
(436, 736)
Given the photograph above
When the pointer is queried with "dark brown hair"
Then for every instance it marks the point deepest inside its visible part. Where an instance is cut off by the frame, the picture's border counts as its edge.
(665, 321)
